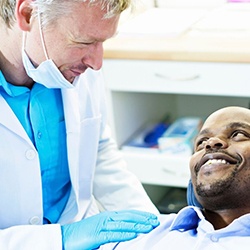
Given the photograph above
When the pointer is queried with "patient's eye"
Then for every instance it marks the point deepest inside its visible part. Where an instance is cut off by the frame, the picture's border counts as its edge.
(200, 143)
(240, 135)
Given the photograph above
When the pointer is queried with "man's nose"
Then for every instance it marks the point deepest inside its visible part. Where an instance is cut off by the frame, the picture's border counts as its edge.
(215, 142)
(95, 56)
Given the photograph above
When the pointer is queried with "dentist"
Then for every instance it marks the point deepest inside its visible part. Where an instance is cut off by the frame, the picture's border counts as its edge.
(58, 163)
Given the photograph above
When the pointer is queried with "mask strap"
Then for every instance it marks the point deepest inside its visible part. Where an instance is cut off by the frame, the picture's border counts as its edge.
(41, 36)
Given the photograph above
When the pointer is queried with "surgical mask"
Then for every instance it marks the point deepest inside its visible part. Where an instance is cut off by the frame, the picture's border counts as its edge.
(47, 72)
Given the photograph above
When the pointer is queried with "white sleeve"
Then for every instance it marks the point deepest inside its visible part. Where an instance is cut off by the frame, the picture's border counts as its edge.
(28, 237)
(116, 188)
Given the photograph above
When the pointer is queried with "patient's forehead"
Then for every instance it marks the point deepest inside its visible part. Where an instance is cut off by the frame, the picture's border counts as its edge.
(228, 115)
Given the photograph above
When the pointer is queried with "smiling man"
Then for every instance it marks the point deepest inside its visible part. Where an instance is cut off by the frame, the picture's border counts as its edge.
(59, 164)
(220, 174)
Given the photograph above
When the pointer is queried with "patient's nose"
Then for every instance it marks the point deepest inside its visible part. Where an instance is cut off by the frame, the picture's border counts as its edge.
(215, 142)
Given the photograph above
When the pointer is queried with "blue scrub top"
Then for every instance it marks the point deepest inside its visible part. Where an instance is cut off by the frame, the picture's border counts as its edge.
(40, 111)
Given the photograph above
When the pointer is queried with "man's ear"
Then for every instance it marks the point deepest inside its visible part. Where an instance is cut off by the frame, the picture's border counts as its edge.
(23, 14)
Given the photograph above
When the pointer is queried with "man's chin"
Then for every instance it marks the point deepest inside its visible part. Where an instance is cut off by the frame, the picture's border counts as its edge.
(69, 77)
(71, 80)
(213, 189)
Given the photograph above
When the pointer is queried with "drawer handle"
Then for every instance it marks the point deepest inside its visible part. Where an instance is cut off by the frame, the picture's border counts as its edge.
(178, 78)
(169, 171)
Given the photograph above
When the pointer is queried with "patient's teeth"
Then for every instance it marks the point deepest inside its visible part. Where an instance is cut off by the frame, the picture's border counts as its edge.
(214, 161)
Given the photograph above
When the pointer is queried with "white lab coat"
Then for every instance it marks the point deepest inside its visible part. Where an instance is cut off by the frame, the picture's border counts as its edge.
(96, 171)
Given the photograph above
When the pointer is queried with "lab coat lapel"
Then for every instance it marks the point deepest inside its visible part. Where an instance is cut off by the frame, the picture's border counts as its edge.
(72, 120)
(10, 121)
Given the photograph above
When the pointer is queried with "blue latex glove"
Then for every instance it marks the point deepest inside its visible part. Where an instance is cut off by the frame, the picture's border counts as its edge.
(107, 227)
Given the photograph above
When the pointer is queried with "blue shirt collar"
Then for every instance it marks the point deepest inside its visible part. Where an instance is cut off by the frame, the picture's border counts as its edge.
(11, 89)
(188, 218)
(191, 218)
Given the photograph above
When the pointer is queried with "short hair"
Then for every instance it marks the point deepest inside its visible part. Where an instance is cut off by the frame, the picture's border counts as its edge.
(53, 9)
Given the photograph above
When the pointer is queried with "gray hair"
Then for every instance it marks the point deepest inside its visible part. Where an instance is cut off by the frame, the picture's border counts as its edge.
(53, 9)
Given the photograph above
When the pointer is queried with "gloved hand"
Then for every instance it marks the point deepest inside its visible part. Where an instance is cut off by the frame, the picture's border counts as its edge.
(107, 227)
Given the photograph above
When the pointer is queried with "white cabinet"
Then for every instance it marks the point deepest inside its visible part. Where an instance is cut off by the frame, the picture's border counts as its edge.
(141, 91)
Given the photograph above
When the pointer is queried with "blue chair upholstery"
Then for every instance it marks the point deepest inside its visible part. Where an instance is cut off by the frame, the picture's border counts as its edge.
(191, 199)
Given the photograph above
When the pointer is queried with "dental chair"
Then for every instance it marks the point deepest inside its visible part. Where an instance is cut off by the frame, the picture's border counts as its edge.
(191, 199)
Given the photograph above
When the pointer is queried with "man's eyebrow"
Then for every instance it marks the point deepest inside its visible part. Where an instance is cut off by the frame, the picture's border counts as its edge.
(231, 125)
(238, 125)
(204, 131)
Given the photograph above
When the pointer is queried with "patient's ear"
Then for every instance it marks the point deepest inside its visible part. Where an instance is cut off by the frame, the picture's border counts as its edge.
(23, 14)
